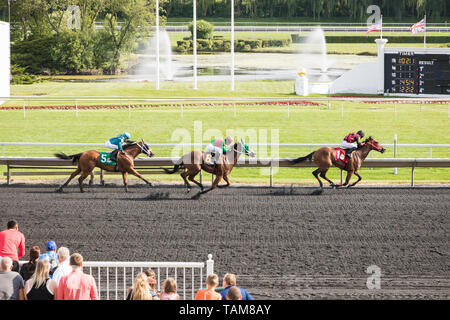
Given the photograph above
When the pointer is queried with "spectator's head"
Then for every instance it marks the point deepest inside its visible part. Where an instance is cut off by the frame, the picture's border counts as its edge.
(6, 264)
(42, 273)
(212, 280)
(151, 276)
(141, 288)
(12, 224)
(63, 254)
(35, 253)
(234, 294)
(170, 286)
(76, 260)
(229, 280)
(51, 246)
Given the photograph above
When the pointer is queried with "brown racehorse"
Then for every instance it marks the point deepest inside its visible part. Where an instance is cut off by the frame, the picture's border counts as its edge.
(88, 160)
(325, 157)
(194, 162)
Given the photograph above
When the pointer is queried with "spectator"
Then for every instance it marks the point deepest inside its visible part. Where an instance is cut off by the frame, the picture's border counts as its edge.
(40, 286)
(170, 290)
(234, 294)
(27, 269)
(151, 277)
(141, 288)
(12, 243)
(51, 255)
(63, 268)
(11, 282)
(77, 285)
(229, 280)
(212, 281)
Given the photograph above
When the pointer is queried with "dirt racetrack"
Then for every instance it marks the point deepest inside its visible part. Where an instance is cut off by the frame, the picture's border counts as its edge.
(282, 243)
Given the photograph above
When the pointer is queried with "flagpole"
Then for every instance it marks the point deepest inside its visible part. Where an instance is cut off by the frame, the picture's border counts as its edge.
(425, 32)
(381, 27)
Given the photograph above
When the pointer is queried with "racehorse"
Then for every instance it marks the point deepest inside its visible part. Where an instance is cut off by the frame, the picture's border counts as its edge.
(325, 157)
(88, 160)
(194, 162)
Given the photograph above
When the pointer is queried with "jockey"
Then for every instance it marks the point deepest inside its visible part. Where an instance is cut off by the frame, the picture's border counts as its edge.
(217, 147)
(116, 144)
(350, 139)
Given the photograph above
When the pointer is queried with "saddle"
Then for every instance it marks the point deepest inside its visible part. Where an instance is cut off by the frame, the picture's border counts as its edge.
(342, 156)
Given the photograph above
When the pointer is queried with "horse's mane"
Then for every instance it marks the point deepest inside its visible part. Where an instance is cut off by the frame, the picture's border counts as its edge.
(126, 146)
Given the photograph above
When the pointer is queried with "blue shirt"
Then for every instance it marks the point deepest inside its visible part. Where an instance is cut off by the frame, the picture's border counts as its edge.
(118, 141)
(244, 293)
(52, 258)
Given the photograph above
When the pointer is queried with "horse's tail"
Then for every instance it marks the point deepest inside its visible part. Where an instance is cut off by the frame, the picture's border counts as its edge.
(301, 159)
(75, 157)
(177, 166)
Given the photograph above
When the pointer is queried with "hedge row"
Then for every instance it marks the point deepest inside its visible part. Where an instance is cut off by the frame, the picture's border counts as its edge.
(370, 39)
(225, 45)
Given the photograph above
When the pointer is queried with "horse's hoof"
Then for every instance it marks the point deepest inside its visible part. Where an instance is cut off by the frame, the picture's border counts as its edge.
(59, 190)
(150, 185)
(196, 197)
(188, 190)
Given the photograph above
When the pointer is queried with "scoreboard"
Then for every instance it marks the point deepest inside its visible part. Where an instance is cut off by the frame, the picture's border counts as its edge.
(412, 72)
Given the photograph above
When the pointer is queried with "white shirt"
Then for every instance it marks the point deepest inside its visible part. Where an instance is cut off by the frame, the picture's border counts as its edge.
(63, 270)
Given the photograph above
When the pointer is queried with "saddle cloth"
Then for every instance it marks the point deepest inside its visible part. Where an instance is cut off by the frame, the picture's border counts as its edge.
(340, 155)
(105, 159)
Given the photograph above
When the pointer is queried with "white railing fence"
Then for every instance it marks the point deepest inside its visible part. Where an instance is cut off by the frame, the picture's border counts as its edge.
(114, 278)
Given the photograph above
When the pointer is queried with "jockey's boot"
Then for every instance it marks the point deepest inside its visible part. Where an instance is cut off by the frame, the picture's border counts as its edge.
(113, 156)
(212, 160)
(349, 151)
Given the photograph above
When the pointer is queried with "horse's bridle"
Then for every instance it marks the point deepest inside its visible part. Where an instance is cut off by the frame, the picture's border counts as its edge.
(375, 147)
(144, 150)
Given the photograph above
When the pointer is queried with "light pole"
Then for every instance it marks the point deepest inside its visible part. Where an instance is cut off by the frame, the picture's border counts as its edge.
(232, 45)
(157, 45)
(194, 42)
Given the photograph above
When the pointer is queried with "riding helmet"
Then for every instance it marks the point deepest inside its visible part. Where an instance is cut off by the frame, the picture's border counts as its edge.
(360, 133)
(126, 134)
(229, 140)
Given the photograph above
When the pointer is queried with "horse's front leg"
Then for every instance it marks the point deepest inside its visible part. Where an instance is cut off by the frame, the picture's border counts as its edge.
(125, 180)
(137, 174)
(225, 177)
(214, 185)
(347, 179)
(354, 183)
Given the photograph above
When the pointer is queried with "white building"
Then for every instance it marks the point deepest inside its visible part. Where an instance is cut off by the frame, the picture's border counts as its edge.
(4, 60)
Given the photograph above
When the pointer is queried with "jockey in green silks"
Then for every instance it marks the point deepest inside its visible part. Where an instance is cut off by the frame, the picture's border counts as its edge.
(217, 147)
(116, 144)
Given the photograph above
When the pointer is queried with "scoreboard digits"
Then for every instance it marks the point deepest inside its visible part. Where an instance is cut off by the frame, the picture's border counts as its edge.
(416, 73)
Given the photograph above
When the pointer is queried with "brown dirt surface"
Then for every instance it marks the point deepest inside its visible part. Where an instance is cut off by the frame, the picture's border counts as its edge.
(282, 243)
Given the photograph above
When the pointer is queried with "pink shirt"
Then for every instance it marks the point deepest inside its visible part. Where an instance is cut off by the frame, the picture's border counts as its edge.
(77, 286)
(12, 244)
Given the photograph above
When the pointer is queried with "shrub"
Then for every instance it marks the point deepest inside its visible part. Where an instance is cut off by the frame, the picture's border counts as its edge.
(20, 76)
(204, 29)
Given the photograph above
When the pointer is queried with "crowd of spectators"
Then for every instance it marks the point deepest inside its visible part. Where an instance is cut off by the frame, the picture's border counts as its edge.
(57, 275)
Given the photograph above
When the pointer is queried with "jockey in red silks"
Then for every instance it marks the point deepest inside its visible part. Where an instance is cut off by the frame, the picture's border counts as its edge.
(350, 139)
(217, 147)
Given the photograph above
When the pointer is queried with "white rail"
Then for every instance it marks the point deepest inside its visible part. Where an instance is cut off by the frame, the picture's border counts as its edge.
(114, 278)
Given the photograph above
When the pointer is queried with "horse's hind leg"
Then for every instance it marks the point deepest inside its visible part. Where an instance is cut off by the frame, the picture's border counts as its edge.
(186, 183)
(73, 175)
(191, 178)
(323, 175)
(83, 176)
(316, 174)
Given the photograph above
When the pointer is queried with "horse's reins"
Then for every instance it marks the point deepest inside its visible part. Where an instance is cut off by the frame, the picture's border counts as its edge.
(375, 147)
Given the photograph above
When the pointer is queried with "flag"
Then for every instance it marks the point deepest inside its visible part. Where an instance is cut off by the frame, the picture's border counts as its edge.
(418, 27)
(374, 27)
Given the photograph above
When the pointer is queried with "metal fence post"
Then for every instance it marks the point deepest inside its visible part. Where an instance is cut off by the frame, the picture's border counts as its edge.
(209, 265)
(395, 150)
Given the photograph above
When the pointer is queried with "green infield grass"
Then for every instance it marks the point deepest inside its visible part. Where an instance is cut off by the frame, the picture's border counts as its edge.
(412, 123)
